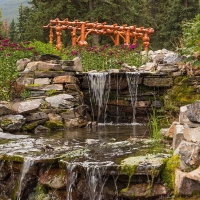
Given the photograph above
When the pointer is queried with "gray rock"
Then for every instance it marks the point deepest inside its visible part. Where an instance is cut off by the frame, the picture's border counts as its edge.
(144, 164)
(5, 110)
(193, 112)
(167, 68)
(142, 191)
(153, 81)
(189, 154)
(184, 185)
(183, 118)
(77, 64)
(25, 81)
(55, 87)
(68, 115)
(67, 62)
(12, 123)
(68, 68)
(61, 101)
(21, 64)
(44, 66)
(9, 136)
(192, 134)
(52, 74)
(178, 136)
(42, 81)
(172, 59)
(41, 130)
(75, 123)
(159, 58)
(27, 106)
(36, 116)
(150, 66)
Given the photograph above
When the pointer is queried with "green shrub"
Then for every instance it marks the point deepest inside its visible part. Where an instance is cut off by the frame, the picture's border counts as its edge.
(191, 35)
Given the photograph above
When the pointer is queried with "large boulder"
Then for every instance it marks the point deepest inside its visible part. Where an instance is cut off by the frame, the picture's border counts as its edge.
(187, 183)
(189, 154)
(61, 101)
(27, 106)
(193, 112)
(12, 123)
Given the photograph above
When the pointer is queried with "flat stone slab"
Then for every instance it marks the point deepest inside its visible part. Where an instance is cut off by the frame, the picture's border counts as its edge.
(27, 106)
(158, 81)
(9, 136)
(142, 191)
(144, 165)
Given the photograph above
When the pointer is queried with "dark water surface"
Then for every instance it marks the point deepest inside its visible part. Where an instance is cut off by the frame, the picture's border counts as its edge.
(102, 143)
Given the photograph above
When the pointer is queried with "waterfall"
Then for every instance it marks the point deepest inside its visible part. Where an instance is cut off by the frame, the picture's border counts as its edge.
(99, 90)
(70, 179)
(97, 83)
(28, 162)
(133, 79)
(95, 181)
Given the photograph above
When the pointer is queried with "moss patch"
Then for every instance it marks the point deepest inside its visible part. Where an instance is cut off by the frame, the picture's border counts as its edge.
(54, 125)
(40, 193)
(6, 122)
(29, 126)
(130, 164)
(168, 173)
(182, 93)
(12, 158)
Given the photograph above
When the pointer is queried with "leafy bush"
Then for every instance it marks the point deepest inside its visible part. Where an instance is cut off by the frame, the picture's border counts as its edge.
(45, 48)
(9, 54)
(106, 57)
(99, 58)
(191, 35)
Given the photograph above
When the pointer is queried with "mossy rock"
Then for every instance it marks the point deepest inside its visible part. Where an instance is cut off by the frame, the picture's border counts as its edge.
(54, 125)
(168, 172)
(6, 122)
(12, 158)
(41, 193)
(152, 161)
(30, 126)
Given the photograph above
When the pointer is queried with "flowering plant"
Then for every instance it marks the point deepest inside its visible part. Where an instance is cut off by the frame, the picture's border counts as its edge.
(96, 57)
(105, 57)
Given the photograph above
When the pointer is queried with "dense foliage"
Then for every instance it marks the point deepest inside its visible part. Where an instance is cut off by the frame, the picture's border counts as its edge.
(97, 57)
(191, 35)
(9, 53)
(175, 22)
(165, 16)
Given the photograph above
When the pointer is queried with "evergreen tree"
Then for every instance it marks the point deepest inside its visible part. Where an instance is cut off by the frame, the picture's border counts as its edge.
(177, 12)
(165, 16)
(1, 23)
(12, 31)
(22, 25)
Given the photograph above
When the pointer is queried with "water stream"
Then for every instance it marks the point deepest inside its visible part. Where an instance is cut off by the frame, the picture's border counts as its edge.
(70, 180)
(96, 152)
(95, 181)
(28, 162)
(97, 83)
(132, 79)
(99, 89)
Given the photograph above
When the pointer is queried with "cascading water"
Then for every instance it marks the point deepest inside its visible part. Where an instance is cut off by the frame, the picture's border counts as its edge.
(28, 162)
(70, 180)
(99, 87)
(132, 79)
(97, 83)
(95, 181)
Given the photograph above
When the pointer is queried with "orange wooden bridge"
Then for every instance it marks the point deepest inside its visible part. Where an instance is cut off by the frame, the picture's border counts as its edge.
(127, 33)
